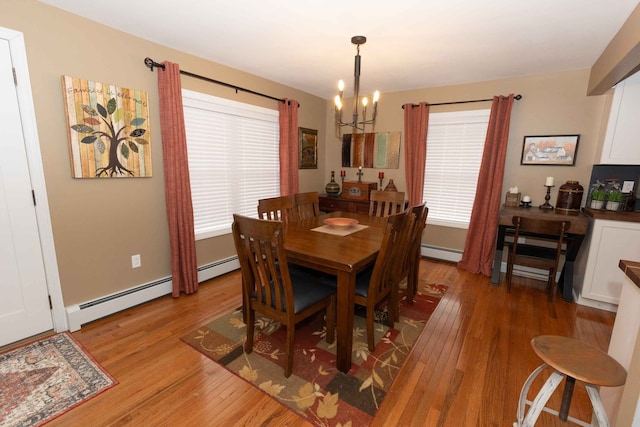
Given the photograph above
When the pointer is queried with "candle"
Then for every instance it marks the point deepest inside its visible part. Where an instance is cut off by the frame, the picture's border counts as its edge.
(549, 181)
(526, 199)
(360, 168)
(380, 174)
(342, 173)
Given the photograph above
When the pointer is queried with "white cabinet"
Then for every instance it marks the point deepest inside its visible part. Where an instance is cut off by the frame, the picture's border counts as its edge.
(599, 280)
(621, 145)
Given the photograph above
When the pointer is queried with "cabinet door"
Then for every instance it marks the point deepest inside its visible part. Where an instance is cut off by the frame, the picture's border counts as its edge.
(620, 142)
(611, 241)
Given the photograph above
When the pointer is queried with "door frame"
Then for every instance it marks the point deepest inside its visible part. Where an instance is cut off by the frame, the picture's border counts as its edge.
(36, 172)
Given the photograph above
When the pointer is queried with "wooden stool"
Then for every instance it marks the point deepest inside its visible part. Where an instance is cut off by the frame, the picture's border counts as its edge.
(577, 361)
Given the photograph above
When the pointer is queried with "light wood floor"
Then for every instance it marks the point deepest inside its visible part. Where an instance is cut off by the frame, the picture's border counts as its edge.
(466, 369)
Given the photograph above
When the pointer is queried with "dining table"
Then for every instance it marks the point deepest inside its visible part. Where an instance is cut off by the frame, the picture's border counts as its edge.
(310, 243)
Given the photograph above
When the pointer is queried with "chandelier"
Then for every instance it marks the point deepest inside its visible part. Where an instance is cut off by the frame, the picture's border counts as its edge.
(356, 122)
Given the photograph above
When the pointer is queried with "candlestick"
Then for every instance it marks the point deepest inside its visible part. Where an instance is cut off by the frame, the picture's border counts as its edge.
(360, 173)
(546, 204)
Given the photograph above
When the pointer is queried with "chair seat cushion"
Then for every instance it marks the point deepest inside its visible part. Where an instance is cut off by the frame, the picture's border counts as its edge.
(307, 289)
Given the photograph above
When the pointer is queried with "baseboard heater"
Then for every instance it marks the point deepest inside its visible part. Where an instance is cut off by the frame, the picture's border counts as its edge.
(444, 254)
(79, 314)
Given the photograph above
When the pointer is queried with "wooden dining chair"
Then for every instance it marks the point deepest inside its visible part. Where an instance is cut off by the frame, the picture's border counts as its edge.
(277, 208)
(270, 288)
(537, 256)
(375, 285)
(411, 258)
(385, 203)
(306, 205)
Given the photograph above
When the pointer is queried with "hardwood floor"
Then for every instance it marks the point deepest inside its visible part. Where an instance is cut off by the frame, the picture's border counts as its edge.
(466, 369)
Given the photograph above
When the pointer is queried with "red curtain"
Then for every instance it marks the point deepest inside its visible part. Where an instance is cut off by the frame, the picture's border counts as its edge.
(184, 270)
(288, 110)
(416, 122)
(479, 247)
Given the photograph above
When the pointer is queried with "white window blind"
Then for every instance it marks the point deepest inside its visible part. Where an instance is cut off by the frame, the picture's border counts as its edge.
(455, 142)
(233, 159)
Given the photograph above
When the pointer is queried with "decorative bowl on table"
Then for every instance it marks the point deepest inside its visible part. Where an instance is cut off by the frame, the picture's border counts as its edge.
(340, 223)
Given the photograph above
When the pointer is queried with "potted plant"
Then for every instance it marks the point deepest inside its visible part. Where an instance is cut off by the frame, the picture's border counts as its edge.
(598, 195)
(614, 198)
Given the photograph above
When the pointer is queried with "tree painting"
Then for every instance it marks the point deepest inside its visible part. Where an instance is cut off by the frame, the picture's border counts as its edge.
(108, 130)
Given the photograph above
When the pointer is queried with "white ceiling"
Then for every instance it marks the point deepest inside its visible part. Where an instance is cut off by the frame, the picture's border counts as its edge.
(410, 43)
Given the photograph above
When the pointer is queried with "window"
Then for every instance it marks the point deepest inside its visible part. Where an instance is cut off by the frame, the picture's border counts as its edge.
(233, 159)
(455, 142)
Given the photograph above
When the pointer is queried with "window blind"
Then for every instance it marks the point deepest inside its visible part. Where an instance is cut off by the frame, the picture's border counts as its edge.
(455, 143)
(233, 159)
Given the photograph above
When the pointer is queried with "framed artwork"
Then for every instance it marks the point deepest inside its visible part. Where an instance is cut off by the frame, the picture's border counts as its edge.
(380, 150)
(550, 150)
(307, 148)
(108, 128)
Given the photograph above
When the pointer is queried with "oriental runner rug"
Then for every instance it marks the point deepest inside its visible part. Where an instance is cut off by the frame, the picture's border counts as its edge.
(316, 390)
(45, 379)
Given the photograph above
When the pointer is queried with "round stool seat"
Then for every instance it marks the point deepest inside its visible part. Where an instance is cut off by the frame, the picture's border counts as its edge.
(579, 360)
(571, 360)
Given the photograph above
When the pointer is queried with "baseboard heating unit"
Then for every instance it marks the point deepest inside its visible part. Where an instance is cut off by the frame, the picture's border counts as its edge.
(88, 311)
(444, 254)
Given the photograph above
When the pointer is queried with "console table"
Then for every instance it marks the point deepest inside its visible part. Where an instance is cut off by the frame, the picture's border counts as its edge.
(575, 236)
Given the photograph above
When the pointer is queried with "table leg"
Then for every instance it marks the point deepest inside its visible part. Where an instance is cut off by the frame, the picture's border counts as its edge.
(344, 324)
(566, 276)
(497, 258)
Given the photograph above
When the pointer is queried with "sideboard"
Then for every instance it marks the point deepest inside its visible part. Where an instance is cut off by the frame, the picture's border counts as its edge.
(332, 204)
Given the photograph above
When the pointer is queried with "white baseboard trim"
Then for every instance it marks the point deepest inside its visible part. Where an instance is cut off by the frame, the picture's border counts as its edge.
(79, 314)
(444, 254)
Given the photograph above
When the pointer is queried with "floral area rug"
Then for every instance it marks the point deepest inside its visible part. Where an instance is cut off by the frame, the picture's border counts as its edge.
(316, 389)
(45, 379)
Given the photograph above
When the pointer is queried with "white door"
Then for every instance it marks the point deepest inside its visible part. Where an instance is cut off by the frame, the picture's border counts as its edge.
(24, 301)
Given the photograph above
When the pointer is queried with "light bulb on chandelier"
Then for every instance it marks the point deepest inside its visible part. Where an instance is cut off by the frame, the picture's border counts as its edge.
(356, 122)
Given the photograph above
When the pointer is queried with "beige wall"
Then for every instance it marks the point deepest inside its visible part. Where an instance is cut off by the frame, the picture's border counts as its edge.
(553, 104)
(99, 223)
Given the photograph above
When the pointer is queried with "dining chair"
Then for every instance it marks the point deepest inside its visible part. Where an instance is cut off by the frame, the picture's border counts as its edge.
(411, 260)
(306, 205)
(277, 208)
(385, 203)
(270, 288)
(374, 285)
(544, 257)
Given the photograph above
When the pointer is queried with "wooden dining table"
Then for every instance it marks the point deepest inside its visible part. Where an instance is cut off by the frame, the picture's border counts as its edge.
(342, 256)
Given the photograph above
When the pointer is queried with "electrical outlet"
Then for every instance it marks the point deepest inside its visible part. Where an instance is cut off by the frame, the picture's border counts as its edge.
(135, 261)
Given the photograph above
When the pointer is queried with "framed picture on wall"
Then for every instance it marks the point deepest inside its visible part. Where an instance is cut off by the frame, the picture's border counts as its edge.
(307, 148)
(550, 150)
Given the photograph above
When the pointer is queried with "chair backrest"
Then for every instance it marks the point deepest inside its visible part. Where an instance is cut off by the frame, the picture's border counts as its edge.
(307, 205)
(276, 208)
(385, 203)
(394, 243)
(265, 273)
(420, 213)
(546, 229)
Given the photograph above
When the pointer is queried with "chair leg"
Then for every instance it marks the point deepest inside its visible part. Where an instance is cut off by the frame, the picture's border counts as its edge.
(551, 285)
(509, 272)
(369, 320)
(250, 315)
(291, 333)
(331, 320)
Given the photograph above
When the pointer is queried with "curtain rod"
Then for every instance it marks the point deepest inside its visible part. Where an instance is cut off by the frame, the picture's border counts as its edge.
(517, 98)
(151, 63)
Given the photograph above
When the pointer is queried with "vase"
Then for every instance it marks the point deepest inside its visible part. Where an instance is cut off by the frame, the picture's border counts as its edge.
(332, 188)
(390, 186)
(569, 197)
(597, 204)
